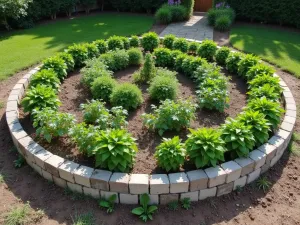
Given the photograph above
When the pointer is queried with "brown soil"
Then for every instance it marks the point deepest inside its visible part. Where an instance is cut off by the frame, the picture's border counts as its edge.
(222, 38)
(73, 93)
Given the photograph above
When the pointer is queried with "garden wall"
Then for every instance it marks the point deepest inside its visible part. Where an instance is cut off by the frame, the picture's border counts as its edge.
(162, 188)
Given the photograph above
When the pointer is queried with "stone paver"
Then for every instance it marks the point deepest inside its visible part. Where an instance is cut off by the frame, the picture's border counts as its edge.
(196, 28)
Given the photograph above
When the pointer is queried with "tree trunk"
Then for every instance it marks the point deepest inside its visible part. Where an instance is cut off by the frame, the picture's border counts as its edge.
(5, 23)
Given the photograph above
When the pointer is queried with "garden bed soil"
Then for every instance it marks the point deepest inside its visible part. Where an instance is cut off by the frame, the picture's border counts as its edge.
(73, 93)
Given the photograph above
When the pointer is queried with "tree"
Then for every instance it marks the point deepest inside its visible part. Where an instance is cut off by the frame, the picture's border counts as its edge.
(68, 6)
(12, 9)
(88, 4)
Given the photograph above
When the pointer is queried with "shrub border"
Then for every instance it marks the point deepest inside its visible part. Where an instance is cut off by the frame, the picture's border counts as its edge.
(162, 188)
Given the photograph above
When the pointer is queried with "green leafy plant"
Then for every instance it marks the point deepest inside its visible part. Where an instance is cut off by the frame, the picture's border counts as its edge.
(169, 40)
(150, 41)
(263, 79)
(147, 72)
(170, 115)
(126, 42)
(126, 95)
(259, 69)
(232, 61)
(164, 72)
(189, 4)
(94, 68)
(178, 12)
(266, 90)
(40, 97)
(134, 42)
(205, 147)
(145, 211)
(79, 53)
(84, 219)
(170, 154)
(163, 87)
(263, 183)
(18, 163)
(68, 58)
(108, 204)
(207, 49)
(186, 203)
(180, 44)
(46, 77)
(163, 57)
(115, 150)
(260, 127)
(238, 137)
(173, 206)
(193, 47)
(92, 49)
(246, 63)
(115, 42)
(57, 64)
(163, 15)
(222, 54)
(50, 123)
(101, 45)
(135, 56)
(179, 60)
(223, 23)
(102, 87)
(271, 110)
(191, 63)
(116, 60)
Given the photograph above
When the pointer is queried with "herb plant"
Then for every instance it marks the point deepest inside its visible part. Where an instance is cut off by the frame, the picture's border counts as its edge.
(232, 62)
(147, 72)
(263, 79)
(69, 61)
(92, 49)
(101, 45)
(145, 211)
(19, 162)
(108, 204)
(135, 56)
(115, 42)
(79, 53)
(186, 203)
(207, 49)
(222, 54)
(193, 47)
(246, 63)
(180, 44)
(116, 60)
(57, 64)
(169, 40)
(102, 87)
(259, 69)
(266, 90)
(150, 41)
(46, 77)
(163, 57)
(134, 42)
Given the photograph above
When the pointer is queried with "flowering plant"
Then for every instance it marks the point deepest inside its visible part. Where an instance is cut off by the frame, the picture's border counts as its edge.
(221, 5)
(174, 2)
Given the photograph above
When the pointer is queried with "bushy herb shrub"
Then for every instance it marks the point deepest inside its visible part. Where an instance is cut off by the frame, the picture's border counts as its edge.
(115, 150)
(40, 97)
(171, 13)
(51, 124)
(115, 42)
(207, 49)
(205, 147)
(174, 55)
(147, 72)
(179, 13)
(222, 54)
(246, 63)
(126, 42)
(260, 127)
(238, 137)
(266, 90)
(102, 87)
(259, 69)
(272, 110)
(135, 56)
(163, 57)
(206, 70)
(191, 63)
(79, 53)
(163, 15)
(232, 61)
(170, 115)
(150, 41)
(116, 60)
(170, 154)
(163, 87)
(94, 68)
(101, 45)
(92, 49)
(57, 64)
(169, 40)
(180, 44)
(134, 42)
(189, 4)
(193, 47)
(221, 17)
(45, 77)
(179, 60)
(126, 95)
(69, 61)
(223, 23)
(263, 79)
(164, 72)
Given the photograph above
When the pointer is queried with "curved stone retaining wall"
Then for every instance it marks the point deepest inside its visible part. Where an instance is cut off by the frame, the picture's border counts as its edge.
(162, 188)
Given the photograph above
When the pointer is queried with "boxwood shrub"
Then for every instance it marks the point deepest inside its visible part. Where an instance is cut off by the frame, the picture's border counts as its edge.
(169, 40)
(79, 53)
(180, 44)
(102, 87)
(150, 41)
(207, 49)
(163, 57)
(135, 56)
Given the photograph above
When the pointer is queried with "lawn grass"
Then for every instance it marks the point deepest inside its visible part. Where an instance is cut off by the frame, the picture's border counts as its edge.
(278, 46)
(23, 48)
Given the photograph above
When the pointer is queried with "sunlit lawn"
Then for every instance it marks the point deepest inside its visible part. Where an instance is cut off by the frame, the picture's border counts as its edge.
(21, 49)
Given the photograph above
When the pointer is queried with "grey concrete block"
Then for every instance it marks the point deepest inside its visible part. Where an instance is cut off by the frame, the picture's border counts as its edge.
(75, 187)
(198, 180)
(82, 175)
(232, 169)
(52, 163)
(216, 176)
(100, 179)
(225, 189)
(139, 184)
(159, 184)
(193, 196)
(129, 199)
(106, 194)
(253, 176)
(247, 165)
(119, 182)
(206, 193)
(258, 157)
(241, 182)
(41, 156)
(95, 193)
(67, 169)
(168, 198)
(178, 182)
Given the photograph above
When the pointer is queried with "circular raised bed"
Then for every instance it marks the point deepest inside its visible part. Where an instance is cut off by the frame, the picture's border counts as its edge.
(162, 188)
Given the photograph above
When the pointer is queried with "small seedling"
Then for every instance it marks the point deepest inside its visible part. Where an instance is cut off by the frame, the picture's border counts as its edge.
(263, 183)
(173, 205)
(13, 149)
(186, 203)
(84, 219)
(19, 162)
(108, 204)
(145, 211)
(239, 188)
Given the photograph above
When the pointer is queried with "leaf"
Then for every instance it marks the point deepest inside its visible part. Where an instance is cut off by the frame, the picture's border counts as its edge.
(104, 204)
(152, 209)
(138, 211)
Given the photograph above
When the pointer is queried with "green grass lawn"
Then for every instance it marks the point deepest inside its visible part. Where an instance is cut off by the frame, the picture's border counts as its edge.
(278, 46)
(23, 48)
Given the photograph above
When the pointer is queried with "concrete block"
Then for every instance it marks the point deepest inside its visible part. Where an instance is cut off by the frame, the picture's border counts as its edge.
(12, 105)
(290, 106)
(241, 182)
(193, 196)
(288, 119)
(258, 157)
(289, 101)
(75, 187)
(129, 199)
(216, 176)
(291, 113)
(32, 150)
(52, 163)
(41, 156)
(18, 87)
(253, 176)
(287, 126)
(233, 171)
(47, 175)
(283, 134)
(269, 150)
(119, 182)
(225, 188)
(67, 169)
(82, 175)
(247, 165)
(100, 179)
(95, 193)
(154, 199)
(59, 182)
(198, 180)
(265, 167)
(139, 184)
(23, 144)
(167, 198)
(275, 160)
(106, 194)
(159, 184)
(278, 143)
(37, 168)
(178, 182)
(206, 193)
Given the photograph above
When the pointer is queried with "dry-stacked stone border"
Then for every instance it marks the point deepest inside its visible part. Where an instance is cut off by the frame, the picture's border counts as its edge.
(162, 188)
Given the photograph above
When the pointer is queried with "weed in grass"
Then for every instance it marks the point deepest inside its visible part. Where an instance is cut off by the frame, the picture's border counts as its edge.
(186, 203)
(173, 205)
(84, 219)
(18, 163)
(263, 184)
(23, 215)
